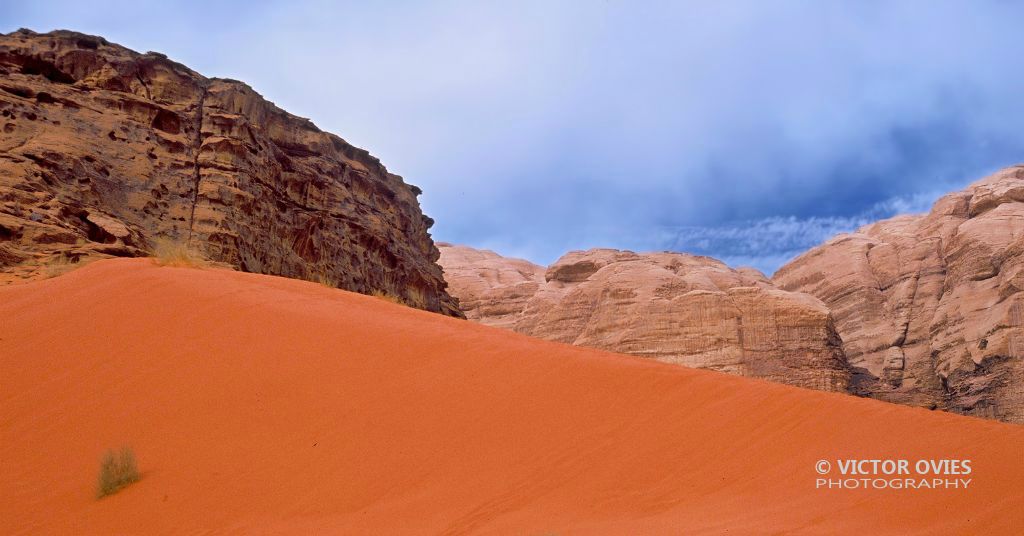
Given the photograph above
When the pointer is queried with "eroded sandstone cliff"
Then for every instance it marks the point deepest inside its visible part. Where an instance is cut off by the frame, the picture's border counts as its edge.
(930, 308)
(103, 151)
(672, 307)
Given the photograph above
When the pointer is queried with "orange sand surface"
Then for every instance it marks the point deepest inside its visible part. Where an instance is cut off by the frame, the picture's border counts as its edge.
(262, 405)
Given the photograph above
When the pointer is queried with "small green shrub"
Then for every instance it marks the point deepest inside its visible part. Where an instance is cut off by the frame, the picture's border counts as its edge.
(116, 471)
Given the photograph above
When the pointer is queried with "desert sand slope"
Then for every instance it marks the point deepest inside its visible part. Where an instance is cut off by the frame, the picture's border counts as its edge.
(258, 404)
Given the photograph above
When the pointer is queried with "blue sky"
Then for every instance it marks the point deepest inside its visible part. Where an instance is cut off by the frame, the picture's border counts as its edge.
(745, 130)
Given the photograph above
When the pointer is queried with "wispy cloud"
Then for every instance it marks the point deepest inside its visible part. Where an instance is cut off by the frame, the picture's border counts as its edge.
(768, 243)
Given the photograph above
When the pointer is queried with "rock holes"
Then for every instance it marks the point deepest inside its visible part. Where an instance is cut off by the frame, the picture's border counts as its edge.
(167, 121)
(36, 66)
(88, 42)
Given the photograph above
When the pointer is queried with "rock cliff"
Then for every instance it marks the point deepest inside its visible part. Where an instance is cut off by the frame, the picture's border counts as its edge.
(930, 308)
(103, 151)
(672, 307)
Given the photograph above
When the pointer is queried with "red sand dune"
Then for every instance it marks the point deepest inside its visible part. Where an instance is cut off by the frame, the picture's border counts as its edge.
(257, 404)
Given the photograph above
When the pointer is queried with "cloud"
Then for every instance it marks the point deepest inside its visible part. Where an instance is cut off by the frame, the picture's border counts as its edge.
(538, 127)
(768, 243)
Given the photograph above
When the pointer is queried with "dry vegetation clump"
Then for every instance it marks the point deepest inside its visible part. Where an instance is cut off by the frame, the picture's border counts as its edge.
(116, 471)
(60, 265)
(177, 253)
(323, 280)
(388, 297)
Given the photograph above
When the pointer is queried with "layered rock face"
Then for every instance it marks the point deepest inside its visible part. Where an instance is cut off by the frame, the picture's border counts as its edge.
(930, 308)
(103, 151)
(677, 308)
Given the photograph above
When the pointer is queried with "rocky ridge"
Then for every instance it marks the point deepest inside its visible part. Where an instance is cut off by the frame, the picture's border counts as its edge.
(105, 151)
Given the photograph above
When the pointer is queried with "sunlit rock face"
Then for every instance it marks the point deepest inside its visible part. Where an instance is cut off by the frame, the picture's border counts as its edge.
(930, 307)
(676, 308)
(491, 289)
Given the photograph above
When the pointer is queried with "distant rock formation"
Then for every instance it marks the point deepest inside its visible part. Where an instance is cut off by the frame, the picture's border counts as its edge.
(491, 289)
(930, 308)
(104, 150)
(672, 307)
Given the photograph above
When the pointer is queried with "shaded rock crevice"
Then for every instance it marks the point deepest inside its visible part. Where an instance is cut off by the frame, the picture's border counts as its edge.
(197, 144)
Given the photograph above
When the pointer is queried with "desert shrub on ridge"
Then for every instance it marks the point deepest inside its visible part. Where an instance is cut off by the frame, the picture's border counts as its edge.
(388, 297)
